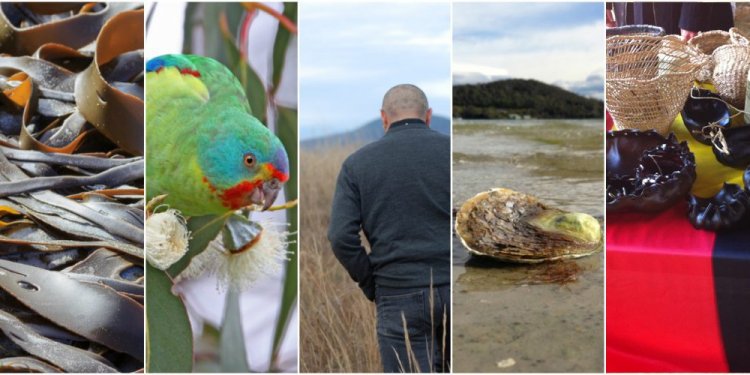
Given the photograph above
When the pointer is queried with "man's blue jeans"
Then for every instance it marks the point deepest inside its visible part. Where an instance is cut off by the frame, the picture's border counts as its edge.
(424, 346)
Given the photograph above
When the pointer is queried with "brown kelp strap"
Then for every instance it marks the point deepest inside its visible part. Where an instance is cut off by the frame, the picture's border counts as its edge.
(75, 31)
(28, 142)
(117, 115)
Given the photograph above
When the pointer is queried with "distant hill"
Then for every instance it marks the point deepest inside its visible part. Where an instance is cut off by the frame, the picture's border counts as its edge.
(369, 132)
(521, 97)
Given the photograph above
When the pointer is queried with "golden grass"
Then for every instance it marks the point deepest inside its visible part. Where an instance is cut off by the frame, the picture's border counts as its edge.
(337, 322)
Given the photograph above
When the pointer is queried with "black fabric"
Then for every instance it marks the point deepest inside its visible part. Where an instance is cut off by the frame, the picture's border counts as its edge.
(674, 16)
(397, 190)
(731, 268)
(706, 16)
(665, 15)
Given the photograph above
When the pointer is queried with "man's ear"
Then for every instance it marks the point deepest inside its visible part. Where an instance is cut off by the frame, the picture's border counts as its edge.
(384, 118)
(428, 116)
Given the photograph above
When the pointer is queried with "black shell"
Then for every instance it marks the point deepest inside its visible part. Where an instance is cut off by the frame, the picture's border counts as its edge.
(699, 113)
(738, 143)
(722, 211)
(646, 172)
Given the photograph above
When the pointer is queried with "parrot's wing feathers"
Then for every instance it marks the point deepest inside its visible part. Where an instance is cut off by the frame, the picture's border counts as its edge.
(199, 76)
(171, 79)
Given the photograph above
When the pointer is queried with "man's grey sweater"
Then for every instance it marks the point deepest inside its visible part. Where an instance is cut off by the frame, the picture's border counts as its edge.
(397, 190)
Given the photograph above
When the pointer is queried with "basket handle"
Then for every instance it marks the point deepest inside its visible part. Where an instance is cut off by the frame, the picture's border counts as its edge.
(736, 36)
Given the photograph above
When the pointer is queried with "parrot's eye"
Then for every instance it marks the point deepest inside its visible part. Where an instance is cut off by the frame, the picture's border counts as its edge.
(250, 160)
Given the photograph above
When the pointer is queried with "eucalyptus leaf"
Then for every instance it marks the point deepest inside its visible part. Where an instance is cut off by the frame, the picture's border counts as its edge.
(203, 229)
(254, 89)
(287, 125)
(281, 44)
(168, 335)
(207, 350)
(203, 18)
(232, 354)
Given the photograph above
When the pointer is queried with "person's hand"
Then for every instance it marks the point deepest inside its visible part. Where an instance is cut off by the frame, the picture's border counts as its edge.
(687, 35)
(369, 290)
(610, 18)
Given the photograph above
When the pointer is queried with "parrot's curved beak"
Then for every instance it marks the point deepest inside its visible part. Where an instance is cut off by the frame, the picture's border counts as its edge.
(266, 194)
(270, 190)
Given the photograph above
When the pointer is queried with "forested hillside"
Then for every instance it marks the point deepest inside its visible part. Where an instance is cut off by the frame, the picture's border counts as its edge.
(521, 97)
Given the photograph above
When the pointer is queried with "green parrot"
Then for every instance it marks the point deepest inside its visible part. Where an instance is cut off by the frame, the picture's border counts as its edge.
(204, 149)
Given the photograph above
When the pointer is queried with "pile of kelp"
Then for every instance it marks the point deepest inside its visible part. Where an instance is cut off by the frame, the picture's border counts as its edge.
(71, 187)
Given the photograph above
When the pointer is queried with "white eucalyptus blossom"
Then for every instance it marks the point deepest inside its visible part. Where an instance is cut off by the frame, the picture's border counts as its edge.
(240, 269)
(166, 238)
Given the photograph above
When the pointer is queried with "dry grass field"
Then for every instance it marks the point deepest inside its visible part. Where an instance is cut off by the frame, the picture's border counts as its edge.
(337, 323)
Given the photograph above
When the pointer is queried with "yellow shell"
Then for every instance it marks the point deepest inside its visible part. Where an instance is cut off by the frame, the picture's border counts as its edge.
(516, 227)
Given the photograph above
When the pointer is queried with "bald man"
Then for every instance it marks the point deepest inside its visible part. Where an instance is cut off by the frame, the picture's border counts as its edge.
(397, 191)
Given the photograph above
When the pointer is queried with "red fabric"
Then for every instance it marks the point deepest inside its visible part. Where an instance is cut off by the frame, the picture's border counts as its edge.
(661, 307)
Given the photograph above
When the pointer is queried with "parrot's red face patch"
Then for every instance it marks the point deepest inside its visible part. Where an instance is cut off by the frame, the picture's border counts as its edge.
(246, 192)
(277, 174)
(238, 195)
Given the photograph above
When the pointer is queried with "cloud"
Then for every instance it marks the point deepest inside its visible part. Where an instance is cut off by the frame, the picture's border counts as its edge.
(513, 38)
(336, 73)
(437, 89)
(473, 73)
(592, 86)
(488, 20)
(351, 53)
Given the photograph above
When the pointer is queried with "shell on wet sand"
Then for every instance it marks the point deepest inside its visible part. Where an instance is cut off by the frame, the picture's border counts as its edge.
(517, 227)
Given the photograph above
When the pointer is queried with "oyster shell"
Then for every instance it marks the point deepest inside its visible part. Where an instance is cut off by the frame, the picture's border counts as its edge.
(516, 227)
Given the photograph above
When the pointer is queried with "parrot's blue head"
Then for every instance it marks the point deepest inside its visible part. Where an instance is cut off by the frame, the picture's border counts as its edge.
(243, 161)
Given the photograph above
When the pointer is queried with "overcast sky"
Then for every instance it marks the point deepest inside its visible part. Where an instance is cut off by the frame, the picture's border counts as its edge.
(556, 43)
(351, 54)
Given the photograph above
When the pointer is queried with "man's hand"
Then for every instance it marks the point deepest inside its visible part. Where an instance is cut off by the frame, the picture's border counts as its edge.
(609, 15)
(687, 35)
(370, 292)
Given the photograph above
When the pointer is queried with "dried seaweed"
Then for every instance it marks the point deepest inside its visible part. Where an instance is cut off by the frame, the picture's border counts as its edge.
(71, 187)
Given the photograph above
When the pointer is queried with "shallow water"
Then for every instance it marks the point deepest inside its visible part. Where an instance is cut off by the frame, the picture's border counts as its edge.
(546, 317)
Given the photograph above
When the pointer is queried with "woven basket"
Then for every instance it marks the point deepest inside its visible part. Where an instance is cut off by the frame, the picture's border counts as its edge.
(649, 79)
(738, 37)
(709, 41)
(731, 64)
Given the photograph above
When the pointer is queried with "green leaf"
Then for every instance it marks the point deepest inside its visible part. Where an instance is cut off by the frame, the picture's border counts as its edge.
(207, 350)
(254, 89)
(169, 339)
(232, 354)
(287, 132)
(203, 229)
(187, 27)
(203, 18)
(281, 44)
